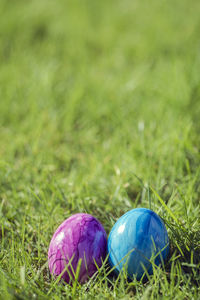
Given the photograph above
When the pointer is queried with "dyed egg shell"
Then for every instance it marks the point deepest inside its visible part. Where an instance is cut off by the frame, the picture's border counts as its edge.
(79, 237)
(136, 238)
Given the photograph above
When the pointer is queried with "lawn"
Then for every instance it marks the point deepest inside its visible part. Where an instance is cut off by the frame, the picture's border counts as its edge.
(99, 113)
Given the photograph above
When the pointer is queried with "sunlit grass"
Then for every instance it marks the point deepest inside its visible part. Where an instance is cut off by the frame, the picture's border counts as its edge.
(99, 113)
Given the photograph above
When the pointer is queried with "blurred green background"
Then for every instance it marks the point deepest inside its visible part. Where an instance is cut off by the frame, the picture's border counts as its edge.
(93, 93)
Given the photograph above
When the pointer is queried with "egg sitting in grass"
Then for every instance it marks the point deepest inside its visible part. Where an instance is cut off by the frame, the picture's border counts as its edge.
(77, 248)
(138, 240)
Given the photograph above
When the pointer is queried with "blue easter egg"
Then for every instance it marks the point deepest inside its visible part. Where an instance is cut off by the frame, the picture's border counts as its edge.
(136, 240)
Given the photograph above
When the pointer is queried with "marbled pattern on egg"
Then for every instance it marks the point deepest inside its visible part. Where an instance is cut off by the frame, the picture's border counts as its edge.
(79, 237)
(136, 237)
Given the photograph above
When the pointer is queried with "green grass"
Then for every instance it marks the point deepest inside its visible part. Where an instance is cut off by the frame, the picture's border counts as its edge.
(99, 113)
